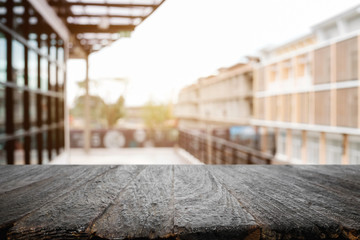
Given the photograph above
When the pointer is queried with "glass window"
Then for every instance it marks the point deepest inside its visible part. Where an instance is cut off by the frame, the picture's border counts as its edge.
(33, 150)
(296, 147)
(44, 108)
(33, 69)
(18, 110)
(52, 76)
(61, 54)
(18, 20)
(313, 149)
(45, 156)
(33, 40)
(32, 110)
(2, 154)
(354, 150)
(3, 11)
(2, 58)
(281, 146)
(18, 63)
(53, 109)
(53, 47)
(333, 151)
(19, 152)
(61, 79)
(2, 110)
(43, 44)
(44, 73)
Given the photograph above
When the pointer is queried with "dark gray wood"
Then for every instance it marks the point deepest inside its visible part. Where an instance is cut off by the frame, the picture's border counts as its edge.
(144, 209)
(285, 206)
(21, 201)
(204, 208)
(82, 207)
(180, 202)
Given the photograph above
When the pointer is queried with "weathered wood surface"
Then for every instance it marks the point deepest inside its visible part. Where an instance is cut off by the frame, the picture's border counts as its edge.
(180, 202)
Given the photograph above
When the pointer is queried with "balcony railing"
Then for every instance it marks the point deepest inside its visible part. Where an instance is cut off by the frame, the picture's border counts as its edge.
(215, 150)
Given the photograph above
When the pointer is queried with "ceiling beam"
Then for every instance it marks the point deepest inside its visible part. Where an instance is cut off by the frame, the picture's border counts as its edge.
(99, 15)
(119, 5)
(80, 28)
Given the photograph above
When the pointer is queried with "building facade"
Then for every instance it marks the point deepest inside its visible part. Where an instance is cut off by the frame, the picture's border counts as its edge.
(307, 94)
(36, 39)
(32, 83)
(224, 99)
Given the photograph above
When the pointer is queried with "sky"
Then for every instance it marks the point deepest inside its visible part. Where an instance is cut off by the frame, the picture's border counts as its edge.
(184, 40)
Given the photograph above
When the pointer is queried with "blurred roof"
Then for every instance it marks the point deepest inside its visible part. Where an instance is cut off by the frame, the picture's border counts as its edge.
(95, 24)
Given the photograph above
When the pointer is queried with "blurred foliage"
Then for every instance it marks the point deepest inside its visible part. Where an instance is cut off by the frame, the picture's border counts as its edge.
(156, 116)
(113, 112)
(100, 111)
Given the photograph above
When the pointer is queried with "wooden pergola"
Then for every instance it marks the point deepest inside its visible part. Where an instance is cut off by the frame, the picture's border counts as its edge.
(96, 24)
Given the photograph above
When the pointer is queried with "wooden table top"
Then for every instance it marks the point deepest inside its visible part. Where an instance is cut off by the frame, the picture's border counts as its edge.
(180, 202)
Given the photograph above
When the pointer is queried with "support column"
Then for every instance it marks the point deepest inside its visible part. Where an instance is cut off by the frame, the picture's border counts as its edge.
(333, 82)
(358, 77)
(9, 92)
(87, 110)
(345, 155)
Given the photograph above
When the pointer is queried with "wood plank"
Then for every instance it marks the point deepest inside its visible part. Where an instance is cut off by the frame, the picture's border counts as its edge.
(21, 176)
(75, 211)
(343, 209)
(204, 209)
(21, 201)
(278, 206)
(348, 173)
(144, 209)
(333, 182)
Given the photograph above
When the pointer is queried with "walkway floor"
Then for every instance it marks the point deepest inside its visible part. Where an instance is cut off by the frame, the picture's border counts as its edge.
(144, 156)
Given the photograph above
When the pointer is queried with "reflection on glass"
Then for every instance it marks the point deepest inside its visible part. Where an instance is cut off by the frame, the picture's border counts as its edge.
(53, 110)
(53, 47)
(33, 69)
(45, 156)
(32, 110)
(2, 58)
(44, 109)
(33, 150)
(44, 73)
(18, 110)
(19, 151)
(60, 53)
(2, 153)
(2, 110)
(43, 44)
(18, 63)
(60, 78)
(52, 76)
(33, 40)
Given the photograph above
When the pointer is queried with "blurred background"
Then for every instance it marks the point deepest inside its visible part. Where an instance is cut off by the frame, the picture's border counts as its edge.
(179, 82)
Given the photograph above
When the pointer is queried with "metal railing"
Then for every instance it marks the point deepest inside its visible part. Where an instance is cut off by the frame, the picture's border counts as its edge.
(214, 150)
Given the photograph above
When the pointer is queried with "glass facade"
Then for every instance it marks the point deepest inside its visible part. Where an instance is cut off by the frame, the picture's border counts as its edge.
(32, 76)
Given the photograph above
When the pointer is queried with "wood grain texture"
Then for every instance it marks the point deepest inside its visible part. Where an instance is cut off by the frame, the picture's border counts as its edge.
(19, 176)
(204, 209)
(180, 202)
(284, 206)
(79, 207)
(143, 210)
(21, 201)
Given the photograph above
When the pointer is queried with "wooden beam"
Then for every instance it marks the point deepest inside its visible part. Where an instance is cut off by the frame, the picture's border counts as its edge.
(87, 28)
(119, 5)
(102, 15)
